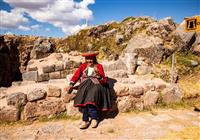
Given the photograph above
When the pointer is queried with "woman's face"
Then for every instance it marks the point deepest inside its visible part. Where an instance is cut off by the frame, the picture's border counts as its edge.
(89, 60)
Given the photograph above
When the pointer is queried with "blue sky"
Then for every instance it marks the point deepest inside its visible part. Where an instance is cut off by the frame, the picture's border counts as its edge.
(59, 18)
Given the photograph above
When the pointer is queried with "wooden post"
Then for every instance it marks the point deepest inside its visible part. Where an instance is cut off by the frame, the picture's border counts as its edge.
(172, 69)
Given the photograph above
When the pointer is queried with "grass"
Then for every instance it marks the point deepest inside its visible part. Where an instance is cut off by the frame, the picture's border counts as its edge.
(189, 133)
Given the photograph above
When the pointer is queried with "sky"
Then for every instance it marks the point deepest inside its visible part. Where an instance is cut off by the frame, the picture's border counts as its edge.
(60, 18)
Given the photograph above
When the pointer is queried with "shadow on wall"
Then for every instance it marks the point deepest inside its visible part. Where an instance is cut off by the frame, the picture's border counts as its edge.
(9, 63)
(114, 110)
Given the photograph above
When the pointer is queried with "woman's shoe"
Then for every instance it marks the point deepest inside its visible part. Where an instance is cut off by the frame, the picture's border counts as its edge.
(94, 123)
(84, 125)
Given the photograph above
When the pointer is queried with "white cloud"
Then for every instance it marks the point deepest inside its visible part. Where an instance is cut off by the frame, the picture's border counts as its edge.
(12, 19)
(24, 28)
(35, 27)
(65, 14)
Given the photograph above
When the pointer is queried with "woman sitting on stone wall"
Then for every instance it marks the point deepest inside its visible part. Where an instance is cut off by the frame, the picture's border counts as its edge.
(93, 93)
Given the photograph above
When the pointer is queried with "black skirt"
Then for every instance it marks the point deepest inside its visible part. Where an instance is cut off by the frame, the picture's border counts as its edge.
(93, 94)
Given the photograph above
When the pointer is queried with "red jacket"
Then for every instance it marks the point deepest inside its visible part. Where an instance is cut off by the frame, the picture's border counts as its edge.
(77, 75)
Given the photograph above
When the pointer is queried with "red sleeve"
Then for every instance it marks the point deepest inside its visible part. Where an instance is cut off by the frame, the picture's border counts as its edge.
(102, 74)
(77, 75)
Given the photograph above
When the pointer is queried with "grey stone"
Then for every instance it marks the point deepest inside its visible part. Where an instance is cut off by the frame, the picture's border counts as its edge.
(48, 69)
(43, 77)
(30, 76)
(136, 89)
(36, 94)
(17, 99)
(117, 74)
(143, 70)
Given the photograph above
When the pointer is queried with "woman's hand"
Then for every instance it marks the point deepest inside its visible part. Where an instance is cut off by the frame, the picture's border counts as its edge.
(68, 89)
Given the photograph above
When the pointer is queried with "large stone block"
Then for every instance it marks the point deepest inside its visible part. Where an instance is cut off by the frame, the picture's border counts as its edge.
(59, 67)
(54, 75)
(30, 76)
(43, 108)
(17, 99)
(9, 114)
(36, 94)
(49, 68)
(53, 91)
(43, 77)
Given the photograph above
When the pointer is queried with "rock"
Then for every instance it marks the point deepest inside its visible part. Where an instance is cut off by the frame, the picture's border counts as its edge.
(117, 74)
(59, 66)
(130, 59)
(36, 94)
(63, 74)
(54, 75)
(53, 91)
(110, 32)
(42, 48)
(150, 98)
(119, 39)
(17, 99)
(143, 70)
(43, 108)
(136, 90)
(71, 110)
(49, 68)
(58, 56)
(114, 65)
(121, 90)
(168, 24)
(184, 40)
(159, 84)
(9, 114)
(125, 104)
(194, 63)
(30, 76)
(149, 47)
(171, 94)
(43, 77)
(31, 68)
(196, 50)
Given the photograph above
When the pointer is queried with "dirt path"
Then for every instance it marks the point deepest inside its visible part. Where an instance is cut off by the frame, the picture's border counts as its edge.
(128, 126)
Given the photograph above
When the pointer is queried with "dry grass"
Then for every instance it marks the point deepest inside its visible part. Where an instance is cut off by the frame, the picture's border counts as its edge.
(189, 133)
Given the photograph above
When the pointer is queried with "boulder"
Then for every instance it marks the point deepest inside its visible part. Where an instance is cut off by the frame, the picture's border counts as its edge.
(17, 99)
(119, 39)
(43, 108)
(143, 70)
(9, 113)
(114, 65)
(183, 39)
(149, 47)
(125, 104)
(42, 48)
(36, 94)
(136, 89)
(130, 59)
(117, 74)
(68, 97)
(172, 94)
(53, 91)
(150, 98)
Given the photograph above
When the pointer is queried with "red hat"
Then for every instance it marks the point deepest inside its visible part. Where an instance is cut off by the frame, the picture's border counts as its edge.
(90, 54)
